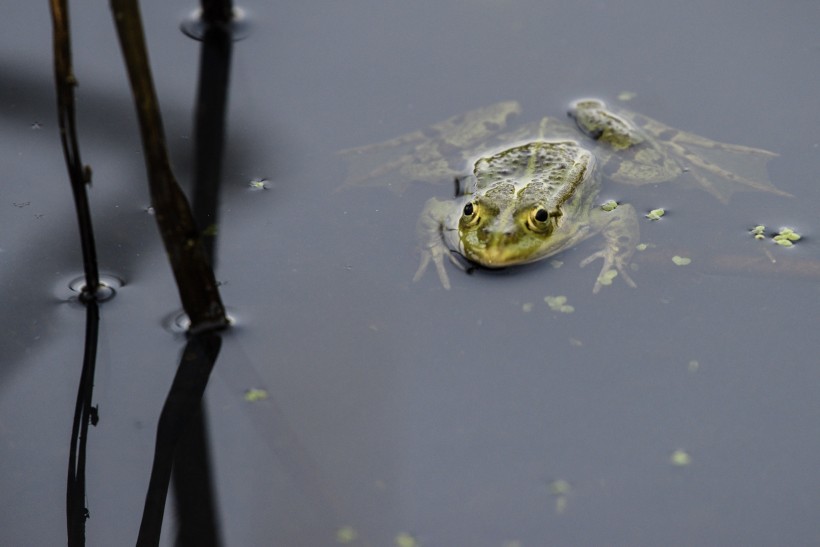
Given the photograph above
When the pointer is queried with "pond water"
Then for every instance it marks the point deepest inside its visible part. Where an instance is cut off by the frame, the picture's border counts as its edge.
(682, 412)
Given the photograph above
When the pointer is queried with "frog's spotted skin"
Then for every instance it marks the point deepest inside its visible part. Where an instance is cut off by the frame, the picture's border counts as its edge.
(532, 193)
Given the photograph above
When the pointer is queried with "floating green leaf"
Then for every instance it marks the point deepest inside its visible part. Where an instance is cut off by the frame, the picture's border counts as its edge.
(786, 237)
(560, 487)
(346, 534)
(655, 214)
(258, 184)
(405, 540)
(680, 458)
(253, 395)
(559, 303)
(759, 231)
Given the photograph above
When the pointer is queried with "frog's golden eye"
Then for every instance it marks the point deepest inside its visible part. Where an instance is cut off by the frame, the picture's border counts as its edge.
(470, 215)
(538, 220)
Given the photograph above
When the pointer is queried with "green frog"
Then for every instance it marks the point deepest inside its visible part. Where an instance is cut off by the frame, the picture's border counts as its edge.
(528, 194)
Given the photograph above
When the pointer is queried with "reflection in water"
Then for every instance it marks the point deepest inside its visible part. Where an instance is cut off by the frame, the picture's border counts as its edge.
(192, 470)
(84, 413)
(179, 431)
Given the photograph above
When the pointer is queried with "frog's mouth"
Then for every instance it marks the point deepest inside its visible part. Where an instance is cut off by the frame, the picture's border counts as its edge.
(499, 257)
(499, 254)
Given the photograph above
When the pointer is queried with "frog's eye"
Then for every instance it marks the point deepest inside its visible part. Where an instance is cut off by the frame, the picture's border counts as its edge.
(470, 216)
(539, 220)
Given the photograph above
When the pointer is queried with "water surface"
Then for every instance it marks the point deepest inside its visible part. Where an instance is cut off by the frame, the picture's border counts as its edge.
(397, 407)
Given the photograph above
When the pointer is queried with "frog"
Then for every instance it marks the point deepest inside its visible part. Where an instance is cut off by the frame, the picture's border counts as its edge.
(528, 194)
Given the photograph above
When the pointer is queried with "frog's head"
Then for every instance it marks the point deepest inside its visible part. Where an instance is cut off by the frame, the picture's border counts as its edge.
(600, 124)
(496, 237)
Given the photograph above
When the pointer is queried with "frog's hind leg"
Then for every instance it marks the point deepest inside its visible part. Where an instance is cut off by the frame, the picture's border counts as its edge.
(374, 176)
(407, 138)
(552, 128)
(369, 165)
(397, 162)
(721, 168)
(683, 138)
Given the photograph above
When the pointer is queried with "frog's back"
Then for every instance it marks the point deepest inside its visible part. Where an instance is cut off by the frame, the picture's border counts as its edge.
(547, 171)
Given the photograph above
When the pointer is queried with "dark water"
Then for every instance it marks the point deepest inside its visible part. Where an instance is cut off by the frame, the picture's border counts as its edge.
(396, 407)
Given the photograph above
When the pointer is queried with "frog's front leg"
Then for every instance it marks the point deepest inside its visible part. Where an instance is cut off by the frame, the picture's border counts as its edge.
(435, 219)
(620, 229)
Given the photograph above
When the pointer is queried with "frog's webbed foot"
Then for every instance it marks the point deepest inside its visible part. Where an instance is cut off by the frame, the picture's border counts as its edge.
(719, 168)
(436, 253)
(621, 231)
(611, 259)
